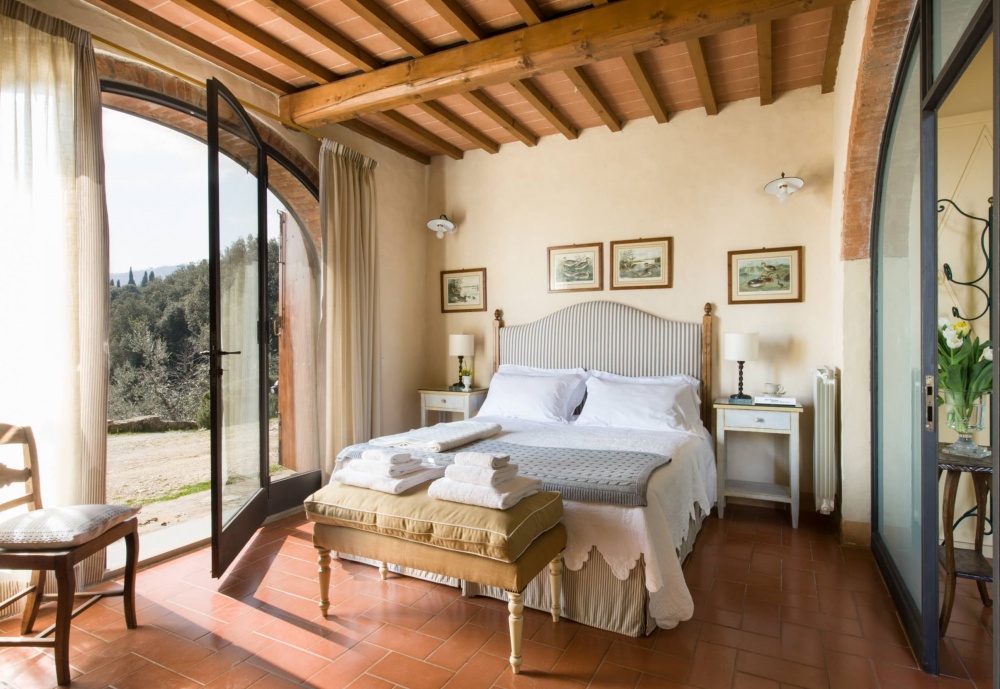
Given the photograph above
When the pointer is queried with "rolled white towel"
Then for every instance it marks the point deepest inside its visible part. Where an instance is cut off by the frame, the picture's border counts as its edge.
(372, 466)
(385, 484)
(485, 460)
(386, 456)
(501, 497)
(479, 475)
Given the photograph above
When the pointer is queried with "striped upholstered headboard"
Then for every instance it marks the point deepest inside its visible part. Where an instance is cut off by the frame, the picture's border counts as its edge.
(611, 337)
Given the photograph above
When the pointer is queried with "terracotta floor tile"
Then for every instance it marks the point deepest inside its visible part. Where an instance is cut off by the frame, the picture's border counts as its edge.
(712, 666)
(763, 563)
(155, 676)
(109, 673)
(802, 645)
(402, 615)
(239, 677)
(839, 602)
(649, 662)
(536, 655)
(898, 677)
(654, 682)
(680, 640)
(727, 595)
(881, 625)
(761, 618)
(462, 645)
(409, 672)
(288, 661)
(784, 671)
(217, 664)
(275, 682)
(850, 671)
(405, 641)
(449, 619)
(479, 673)
(739, 639)
(867, 648)
(558, 635)
(744, 681)
(807, 618)
(348, 667)
(582, 657)
(175, 653)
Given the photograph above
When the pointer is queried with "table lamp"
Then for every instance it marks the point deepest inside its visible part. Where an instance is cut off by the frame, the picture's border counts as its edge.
(461, 346)
(740, 347)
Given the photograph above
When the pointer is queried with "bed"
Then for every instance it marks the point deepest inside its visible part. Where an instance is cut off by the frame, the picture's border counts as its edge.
(623, 563)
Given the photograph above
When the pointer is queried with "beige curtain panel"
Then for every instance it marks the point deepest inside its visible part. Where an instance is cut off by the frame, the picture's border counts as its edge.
(54, 254)
(350, 299)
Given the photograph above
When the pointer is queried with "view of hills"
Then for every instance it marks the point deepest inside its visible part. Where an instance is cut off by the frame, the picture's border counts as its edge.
(137, 271)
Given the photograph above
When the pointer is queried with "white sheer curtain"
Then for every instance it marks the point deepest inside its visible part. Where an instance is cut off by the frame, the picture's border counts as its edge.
(54, 253)
(350, 299)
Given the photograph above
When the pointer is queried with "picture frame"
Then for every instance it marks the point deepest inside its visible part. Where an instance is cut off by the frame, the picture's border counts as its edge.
(766, 276)
(642, 263)
(463, 290)
(576, 268)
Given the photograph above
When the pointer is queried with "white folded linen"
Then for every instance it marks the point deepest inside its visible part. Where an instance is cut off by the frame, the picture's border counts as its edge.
(501, 497)
(373, 466)
(440, 437)
(481, 459)
(479, 475)
(385, 484)
(387, 456)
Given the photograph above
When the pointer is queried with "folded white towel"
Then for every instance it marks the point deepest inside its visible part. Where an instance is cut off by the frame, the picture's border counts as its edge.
(481, 459)
(385, 484)
(501, 497)
(373, 466)
(439, 438)
(387, 456)
(479, 475)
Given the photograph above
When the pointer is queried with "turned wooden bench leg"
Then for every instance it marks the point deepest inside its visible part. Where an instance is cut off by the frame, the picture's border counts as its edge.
(324, 579)
(515, 605)
(383, 571)
(555, 586)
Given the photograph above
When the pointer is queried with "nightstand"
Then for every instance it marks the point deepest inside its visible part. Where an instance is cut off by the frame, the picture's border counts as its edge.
(758, 419)
(445, 400)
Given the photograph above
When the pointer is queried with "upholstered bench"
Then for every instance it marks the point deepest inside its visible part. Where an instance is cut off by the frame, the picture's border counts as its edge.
(502, 548)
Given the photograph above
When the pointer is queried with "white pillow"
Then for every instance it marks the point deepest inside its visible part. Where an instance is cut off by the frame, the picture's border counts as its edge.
(534, 397)
(650, 380)
(518, 370)
(671, 406)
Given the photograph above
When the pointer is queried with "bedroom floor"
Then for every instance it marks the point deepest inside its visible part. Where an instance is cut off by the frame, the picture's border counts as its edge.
(773, 608)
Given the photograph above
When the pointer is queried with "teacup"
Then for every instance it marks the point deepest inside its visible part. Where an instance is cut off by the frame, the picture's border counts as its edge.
(774, 389)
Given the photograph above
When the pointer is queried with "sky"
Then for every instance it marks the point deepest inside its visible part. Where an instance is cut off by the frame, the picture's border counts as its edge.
(157, 195)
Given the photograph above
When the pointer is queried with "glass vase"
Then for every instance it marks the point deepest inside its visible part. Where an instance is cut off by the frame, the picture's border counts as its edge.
(966, 414)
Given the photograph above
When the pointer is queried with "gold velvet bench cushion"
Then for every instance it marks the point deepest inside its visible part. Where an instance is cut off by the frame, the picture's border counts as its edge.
(502, 535)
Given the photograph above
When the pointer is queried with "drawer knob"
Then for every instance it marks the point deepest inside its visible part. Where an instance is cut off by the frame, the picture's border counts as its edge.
(758, 419)
(443, 400)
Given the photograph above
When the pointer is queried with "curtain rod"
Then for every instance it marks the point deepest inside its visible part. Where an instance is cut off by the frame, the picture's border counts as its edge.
(199, 84)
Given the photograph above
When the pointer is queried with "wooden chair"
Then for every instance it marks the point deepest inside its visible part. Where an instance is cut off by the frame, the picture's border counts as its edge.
(57, 538)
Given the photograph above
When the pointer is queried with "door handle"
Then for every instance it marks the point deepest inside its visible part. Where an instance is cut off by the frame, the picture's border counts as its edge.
(930, 402)
(221, 353)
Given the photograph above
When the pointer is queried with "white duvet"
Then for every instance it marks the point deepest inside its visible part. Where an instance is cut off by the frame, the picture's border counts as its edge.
(622, 534)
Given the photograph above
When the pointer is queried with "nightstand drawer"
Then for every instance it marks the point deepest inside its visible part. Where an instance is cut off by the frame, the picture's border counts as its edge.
(444, 401)
(748, 418)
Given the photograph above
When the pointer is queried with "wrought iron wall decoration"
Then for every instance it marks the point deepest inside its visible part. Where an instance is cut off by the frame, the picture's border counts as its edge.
(984, 244)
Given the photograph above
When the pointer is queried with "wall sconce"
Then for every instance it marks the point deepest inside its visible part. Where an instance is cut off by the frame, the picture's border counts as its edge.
(783, 187)
(442, 226)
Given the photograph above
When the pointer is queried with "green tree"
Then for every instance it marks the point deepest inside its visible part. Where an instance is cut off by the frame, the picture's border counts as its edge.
(151, 276)
(118, 283)
(145, 279)
(131, 278)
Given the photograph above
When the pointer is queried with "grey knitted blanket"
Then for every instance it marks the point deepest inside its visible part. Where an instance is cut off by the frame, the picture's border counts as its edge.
(614, 477)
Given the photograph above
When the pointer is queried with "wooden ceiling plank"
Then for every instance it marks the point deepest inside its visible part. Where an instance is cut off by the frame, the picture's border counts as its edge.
(153, 23)
(539, 102)
(450, 119)
(529, 11)
(395, 30)
(697, 54)
(221, 18)
(838, 27)
(414, 129)
(640, 75)
(321, 32)
(764, 67)
(567, 41)
(594, 98)
(456, 16)
(378, 136)
(598, 3)
(501, 117)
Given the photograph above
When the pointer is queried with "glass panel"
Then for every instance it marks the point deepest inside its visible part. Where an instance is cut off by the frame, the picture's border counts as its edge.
(949, 18)
(897, 331)
(239, 273)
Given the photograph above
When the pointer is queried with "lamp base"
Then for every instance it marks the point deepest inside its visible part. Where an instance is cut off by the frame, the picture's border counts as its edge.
(741, 399)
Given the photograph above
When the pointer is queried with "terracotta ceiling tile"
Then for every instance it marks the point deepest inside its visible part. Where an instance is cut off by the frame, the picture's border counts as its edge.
(400, 135)
(436, 128)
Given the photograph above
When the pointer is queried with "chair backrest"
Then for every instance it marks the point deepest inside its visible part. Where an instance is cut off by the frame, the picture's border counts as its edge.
(21, 435)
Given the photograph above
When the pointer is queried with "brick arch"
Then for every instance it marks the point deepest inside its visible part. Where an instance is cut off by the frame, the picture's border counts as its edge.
(293, 193)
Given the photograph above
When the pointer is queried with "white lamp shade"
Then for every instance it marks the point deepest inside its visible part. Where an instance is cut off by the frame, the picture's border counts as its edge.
(740, 347)
(461, 345)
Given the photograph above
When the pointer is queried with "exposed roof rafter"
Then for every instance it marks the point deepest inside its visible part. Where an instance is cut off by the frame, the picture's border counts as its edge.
(415, 130)
(378, 136)
(646, 87)
(539, 102)
(593, 96)
(501, 117)
(456, 16)
(764, 68)
(529, 11)
(697, 54)
(395, 30)
(450, 119)
(838, 27)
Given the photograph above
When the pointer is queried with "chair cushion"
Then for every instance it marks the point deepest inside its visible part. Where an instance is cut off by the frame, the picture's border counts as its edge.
(414, 516)
(61, 527)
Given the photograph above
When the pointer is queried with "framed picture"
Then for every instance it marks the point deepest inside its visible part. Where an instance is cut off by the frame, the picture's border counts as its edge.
(642, 263)
(463, 290)
(765, 276)
(576, 268)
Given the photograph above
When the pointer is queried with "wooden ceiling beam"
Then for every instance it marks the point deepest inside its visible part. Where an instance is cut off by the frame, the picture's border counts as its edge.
(450, 119)
(321, 32)
(415, 130)
(640, 75)
(593, 96)
(237, 27)
(395, 30)
(529, 11)
(571, 40)
(156, 25)
(697, 54)
(838, 27)
(539, 102)
(764, 68)
(456, 16)
(501, 117)
(380, 137)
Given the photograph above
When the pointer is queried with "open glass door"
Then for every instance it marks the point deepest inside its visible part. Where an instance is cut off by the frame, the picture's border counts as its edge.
(237, 181)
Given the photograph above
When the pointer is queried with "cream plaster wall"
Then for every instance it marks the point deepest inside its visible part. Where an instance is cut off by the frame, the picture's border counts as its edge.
(698, 179)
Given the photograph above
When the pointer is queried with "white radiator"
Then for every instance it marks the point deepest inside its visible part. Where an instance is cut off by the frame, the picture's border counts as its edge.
(825, 438)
